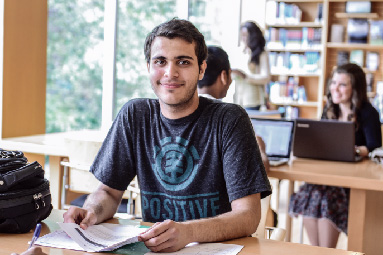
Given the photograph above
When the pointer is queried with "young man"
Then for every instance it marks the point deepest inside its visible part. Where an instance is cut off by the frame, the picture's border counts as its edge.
(197, 160)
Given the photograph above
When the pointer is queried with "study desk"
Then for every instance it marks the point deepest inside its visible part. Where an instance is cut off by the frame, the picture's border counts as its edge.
(365, 180)
(54, 146)
(19, 242)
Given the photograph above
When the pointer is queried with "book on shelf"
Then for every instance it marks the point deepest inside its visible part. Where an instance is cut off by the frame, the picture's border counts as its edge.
(358, 7)
(357, 30)
(294, 63)
(357, 57)
(293, 38)
(372, 61)
(376, 32)
(281, 12)
(370, 81)
(343, 57)
(319, 17)
(337, 33)
(287, 90)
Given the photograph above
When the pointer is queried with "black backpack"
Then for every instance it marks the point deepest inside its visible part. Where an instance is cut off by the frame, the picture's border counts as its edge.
(25, 197)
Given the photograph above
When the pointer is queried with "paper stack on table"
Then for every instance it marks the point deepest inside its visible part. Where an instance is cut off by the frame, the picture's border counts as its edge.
(102, 237)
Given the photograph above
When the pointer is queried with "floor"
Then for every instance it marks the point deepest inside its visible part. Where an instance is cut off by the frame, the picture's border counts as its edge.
(296, 236)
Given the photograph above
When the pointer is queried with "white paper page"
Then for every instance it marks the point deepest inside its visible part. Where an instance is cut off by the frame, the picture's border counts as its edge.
(103, 237)
(58, 239)
(205, 249)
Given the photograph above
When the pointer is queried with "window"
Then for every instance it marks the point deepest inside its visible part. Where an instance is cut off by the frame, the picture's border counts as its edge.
(136, 19)
(74, 64)
(76, 48)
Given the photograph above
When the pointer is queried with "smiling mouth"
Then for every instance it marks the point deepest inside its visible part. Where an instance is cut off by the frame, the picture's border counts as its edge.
(170, 85)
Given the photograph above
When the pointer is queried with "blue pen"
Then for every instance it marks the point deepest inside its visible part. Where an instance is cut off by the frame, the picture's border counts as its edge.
(35, 235)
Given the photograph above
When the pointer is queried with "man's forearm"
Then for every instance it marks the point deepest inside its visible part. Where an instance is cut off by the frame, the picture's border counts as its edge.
(102, 204)
(234, 224)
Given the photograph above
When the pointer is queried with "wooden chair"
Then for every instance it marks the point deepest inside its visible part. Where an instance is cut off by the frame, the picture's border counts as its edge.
(78, 181)
(264, 231)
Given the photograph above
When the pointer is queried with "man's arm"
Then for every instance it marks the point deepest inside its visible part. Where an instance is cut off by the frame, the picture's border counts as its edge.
(101, 205)
(243, 220)
(262, 148)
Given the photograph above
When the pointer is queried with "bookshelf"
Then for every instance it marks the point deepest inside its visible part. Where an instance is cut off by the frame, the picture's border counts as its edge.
(337, 15)
(324, 46)
(295, 46)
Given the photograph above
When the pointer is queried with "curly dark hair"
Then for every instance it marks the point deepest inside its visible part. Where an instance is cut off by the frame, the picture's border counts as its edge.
(359, 92)
(255, 41)
(178, 28)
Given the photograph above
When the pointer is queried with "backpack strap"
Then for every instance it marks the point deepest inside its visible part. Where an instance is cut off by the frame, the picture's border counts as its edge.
(13, 177)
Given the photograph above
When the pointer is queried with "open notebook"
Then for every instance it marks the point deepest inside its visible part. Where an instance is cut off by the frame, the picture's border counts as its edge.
(277, 135)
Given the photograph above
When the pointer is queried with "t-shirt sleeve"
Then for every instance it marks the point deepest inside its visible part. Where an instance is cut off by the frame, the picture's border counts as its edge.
(244, 171)
(114, 165)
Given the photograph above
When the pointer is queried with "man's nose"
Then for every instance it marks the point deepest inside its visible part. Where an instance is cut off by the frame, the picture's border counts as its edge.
(171, 70)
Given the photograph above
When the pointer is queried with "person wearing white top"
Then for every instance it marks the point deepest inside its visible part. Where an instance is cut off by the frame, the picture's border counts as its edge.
(251, 68)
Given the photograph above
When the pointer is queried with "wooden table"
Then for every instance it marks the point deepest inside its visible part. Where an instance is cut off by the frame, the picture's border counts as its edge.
(365, 180)
(54, 146)
(19, 242)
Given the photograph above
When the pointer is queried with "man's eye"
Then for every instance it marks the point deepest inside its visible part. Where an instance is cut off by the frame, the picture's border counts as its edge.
(159, 62)
(184, 62)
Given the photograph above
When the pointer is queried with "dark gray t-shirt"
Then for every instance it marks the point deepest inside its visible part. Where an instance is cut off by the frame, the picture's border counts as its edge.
(187, 168)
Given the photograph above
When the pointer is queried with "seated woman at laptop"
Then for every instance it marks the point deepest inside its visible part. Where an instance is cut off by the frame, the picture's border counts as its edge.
(325, 208)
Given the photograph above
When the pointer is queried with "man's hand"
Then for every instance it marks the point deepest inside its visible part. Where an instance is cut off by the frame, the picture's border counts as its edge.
(84, 218)
(32, 251)
(262, 148)
(167, 236)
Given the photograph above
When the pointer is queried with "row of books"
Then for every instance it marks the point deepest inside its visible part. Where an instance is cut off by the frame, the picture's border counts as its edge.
(357, 56)
(294, 63)
(286, 13)
(359, 31)
(287, 90)
(305, 38)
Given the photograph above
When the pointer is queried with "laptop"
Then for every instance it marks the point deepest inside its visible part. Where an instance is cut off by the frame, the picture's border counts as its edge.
(325, 139)
(277, 135)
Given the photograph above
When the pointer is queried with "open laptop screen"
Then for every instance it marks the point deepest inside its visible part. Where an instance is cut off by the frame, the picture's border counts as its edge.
(277, 135)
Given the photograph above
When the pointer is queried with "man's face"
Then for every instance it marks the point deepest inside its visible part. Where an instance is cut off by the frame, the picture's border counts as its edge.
(174, 71)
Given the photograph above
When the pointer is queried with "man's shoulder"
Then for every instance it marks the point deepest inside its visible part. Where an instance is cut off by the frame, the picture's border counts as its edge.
(141, 104)
(225, 107)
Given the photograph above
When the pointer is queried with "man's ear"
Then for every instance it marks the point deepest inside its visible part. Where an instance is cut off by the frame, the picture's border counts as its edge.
(202, 69)
(224, 78)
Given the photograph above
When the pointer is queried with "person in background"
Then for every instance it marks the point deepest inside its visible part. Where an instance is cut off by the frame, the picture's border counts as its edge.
(197, 160)
(251, 69)
(217, 78)
(216, 82)
(325, 208)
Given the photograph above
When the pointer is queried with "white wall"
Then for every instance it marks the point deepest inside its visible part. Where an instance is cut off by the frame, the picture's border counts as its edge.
(254, 10)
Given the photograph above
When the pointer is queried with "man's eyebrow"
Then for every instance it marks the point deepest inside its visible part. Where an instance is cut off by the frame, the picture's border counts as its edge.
(177, 57)
(158, 57)
(183, 57)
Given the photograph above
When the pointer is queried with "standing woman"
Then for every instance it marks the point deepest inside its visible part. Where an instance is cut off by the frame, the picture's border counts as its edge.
(325, 208)
(252, 71)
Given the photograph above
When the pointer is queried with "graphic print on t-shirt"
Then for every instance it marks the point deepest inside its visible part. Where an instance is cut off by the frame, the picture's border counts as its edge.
(176, 163)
